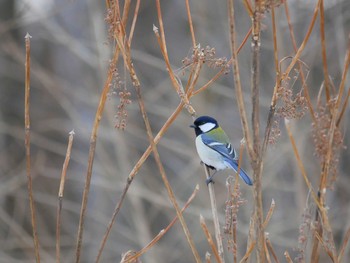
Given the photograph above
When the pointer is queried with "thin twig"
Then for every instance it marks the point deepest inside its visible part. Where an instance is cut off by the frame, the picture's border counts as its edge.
(209, 238)
(326, 248)
(249, 251)
(269, 213)
(133, 24)
(215, 216)
(274, 95)
(327, 163)
(248, 7)
(343, 246)
(237, 80)
(269, 245)
(289, 260)
(300, 164)
(60, 196)
(172, 76)
(27, 146)
(190, 23)
(267, 254)
(164, 231)
(93, 139)
(324, 53)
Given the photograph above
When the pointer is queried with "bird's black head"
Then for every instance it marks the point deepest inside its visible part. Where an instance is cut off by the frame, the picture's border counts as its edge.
(204, 124)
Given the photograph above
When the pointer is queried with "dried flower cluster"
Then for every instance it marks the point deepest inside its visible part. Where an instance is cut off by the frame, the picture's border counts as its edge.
(233, 202)
(293, 107)
(289, 106)
(122, 114)
(117, 88)
(320, 134)
(304, 233)
(267, 5)
(206, 55)
(111, 21)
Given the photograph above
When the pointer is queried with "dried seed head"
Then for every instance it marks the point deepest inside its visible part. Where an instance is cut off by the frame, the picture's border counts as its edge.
(206, 56)
(321, 138)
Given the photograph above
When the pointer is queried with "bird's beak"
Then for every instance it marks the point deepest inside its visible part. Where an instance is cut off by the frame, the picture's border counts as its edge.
(193, 126)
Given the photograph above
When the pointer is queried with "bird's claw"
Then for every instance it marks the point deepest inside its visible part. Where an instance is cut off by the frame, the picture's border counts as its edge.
(209, 180)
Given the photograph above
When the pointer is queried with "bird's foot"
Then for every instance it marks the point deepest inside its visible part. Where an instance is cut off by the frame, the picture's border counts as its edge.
(209, 180)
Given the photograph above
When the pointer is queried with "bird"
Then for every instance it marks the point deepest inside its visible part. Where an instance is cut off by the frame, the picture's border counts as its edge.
(215, 149)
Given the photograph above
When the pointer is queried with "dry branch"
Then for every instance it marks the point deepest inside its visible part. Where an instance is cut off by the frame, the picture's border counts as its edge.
(27, 146)
(60, 196)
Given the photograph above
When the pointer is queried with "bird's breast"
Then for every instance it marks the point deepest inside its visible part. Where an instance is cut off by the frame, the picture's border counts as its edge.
(209, 156)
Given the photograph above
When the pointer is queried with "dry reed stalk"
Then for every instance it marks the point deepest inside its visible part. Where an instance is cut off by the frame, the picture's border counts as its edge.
(324, 53)
(27, 147)
(209, 238)
(133, 24)
(93, 139)
(266, 251)
(300, 164)
(190, 23)
(269, 213)
(233, 202)
(257, 160)
(343, 246)
(237, 80)
(60, 196)
(248, 252)
(207, 257)
(165, 230)
(274, 95)
(270, 247)
(215, 216)
(327, 163)
(287, 256)
(248, 7)
(325, 246)
(343, 110)
(125, 51)
(162, 44)
(342, 85)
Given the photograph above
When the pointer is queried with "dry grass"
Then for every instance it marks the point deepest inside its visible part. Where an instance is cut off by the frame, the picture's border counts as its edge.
(119, 205)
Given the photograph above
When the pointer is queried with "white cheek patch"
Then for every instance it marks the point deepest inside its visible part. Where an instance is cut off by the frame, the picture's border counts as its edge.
(207, 127)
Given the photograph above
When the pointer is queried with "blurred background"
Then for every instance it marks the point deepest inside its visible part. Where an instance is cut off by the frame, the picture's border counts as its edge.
(70, 53)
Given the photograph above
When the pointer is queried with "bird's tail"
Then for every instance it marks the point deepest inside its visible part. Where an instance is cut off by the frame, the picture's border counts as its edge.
(233, 164)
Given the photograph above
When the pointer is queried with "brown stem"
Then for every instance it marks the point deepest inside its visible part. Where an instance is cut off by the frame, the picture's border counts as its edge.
(190, 23)
(27, 146)
(324, 53)
(214, 211)
(209, 239)
(60, 196)
(237, 80)
(93, 138)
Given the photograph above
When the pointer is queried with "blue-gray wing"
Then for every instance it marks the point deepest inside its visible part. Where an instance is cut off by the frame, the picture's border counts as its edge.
(225, 149)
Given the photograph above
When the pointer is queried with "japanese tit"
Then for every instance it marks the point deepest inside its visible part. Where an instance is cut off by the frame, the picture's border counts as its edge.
(214, 147)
